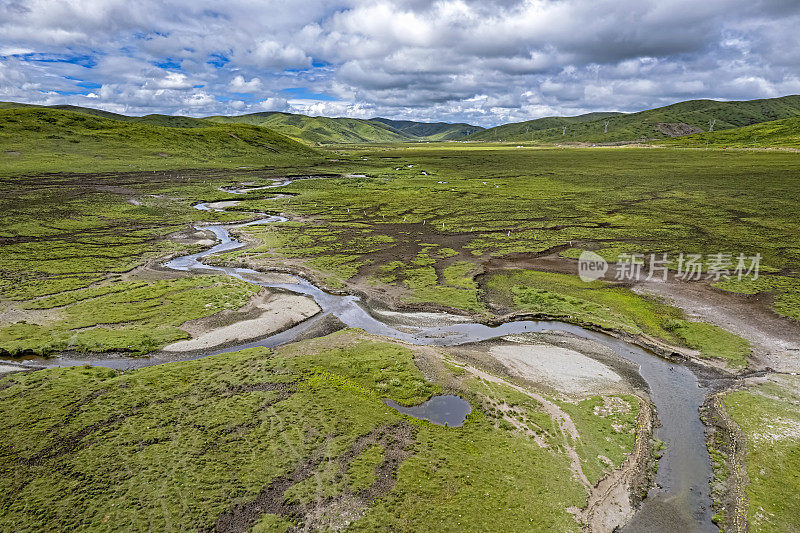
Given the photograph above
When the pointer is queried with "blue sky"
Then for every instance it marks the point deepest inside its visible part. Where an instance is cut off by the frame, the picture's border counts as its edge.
(483, 62)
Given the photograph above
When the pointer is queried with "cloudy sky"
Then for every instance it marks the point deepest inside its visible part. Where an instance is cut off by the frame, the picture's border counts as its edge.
(483, 61)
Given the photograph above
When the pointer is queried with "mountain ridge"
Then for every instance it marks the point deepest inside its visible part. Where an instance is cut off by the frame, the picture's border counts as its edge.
(612, 127)
(651, 124)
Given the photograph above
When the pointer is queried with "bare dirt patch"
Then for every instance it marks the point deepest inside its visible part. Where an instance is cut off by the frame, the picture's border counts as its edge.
(557, 368)
(7, 369)
(775, 339)
(676, 129)
(223, 204)
(266, 313)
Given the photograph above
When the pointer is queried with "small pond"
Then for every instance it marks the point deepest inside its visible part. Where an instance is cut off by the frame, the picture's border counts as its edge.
(445, 410)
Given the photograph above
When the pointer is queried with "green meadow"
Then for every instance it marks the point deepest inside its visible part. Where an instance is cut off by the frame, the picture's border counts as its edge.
(418, 223)
(769, 417)
(186, 443)
(91, 205)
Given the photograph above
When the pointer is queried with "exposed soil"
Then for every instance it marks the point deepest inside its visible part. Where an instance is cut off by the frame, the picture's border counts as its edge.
(624, 375)
(223, 204)
(724, 435)
(557, 368)
(676, 129)
(775, 339)
(610, 503)
(265, 314)
(8, 369)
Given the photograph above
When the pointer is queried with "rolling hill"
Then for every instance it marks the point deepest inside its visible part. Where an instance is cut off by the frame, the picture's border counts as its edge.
(431, 131)
(170, 121)
(532, 128)
(319, 129)
(40, 139)
(315, 130)
(776, 133)
(682, 118)
(676, 120)
(324, 130)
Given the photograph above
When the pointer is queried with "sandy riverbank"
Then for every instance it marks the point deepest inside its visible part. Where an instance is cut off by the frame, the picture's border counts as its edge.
(265, 314)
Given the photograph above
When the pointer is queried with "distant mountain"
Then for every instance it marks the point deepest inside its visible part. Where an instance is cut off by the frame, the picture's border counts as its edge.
(319, 129)
(776, 133)
(533, 129)
(352, 130)
(431, 131)
(678, 119)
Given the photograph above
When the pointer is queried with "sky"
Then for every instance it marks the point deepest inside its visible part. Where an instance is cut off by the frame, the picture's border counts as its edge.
(484, 62)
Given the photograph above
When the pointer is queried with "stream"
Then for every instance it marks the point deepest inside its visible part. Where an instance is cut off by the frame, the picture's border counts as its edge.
(680, 500)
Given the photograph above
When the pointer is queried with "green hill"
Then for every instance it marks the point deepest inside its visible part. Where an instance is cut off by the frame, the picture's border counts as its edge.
(776, 133)
(324, 130)
(154, 119)
(431, 131)
(319, 129)
(678, 119)
(315, 130)
(532, 129)
(36, 139)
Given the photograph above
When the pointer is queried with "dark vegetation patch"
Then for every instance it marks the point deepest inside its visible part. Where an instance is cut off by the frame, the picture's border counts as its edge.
(396, 439)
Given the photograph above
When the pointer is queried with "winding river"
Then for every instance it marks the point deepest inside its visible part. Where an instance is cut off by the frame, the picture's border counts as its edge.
(680, 500)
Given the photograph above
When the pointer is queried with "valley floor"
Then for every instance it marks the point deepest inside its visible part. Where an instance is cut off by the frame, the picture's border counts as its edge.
(560, 434)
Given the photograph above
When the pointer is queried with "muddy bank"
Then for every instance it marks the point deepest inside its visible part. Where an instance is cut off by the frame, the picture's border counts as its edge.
(775, 339)
(728, 490)
(7, 368)
(267, 313)
(682, 479)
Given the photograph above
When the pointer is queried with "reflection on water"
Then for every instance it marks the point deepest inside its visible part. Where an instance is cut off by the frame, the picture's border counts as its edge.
(445, 410)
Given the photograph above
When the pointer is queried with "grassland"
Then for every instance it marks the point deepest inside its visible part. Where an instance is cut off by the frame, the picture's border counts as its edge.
(423, 213)
(74, 259)
(38, 140)
(188, 443)
(769, 416)
(427, 218)
(135, 316)
(304, 427)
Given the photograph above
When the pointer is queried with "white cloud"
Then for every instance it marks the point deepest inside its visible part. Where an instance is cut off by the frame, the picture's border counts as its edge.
(272, 54)
(170, 80)
(273, 104)
(460, 60)
(239, 85)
